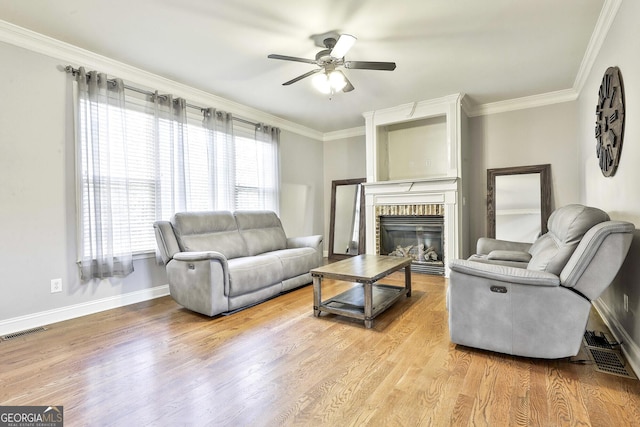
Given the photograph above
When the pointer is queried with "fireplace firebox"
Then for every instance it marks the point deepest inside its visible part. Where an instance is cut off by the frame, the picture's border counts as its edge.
(418, 237)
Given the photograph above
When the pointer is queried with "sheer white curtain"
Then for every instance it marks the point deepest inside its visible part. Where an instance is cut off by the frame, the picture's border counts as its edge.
(268, 163)
(101, 152)
(170, 138)
(221, 155)
(143, 157)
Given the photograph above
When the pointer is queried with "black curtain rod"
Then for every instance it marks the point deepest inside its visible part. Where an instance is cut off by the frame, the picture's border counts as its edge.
(74, 71)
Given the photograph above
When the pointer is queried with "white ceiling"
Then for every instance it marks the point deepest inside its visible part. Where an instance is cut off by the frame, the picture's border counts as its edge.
(491, 50)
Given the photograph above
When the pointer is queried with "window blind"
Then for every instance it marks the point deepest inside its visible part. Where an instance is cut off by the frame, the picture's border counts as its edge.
(212, 170)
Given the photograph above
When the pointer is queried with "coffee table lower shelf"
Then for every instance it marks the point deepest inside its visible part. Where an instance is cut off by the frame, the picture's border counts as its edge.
(351, 303)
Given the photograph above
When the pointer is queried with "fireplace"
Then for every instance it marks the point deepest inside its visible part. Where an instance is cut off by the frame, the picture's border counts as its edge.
(418, 237)
(417, 155)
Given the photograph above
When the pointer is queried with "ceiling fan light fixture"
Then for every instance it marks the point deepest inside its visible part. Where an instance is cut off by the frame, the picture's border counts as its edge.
(344, 43)
(321, 83)
(337, 81)
(330, 82)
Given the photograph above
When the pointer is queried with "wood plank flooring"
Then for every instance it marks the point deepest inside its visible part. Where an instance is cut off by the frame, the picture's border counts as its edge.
(157, 364)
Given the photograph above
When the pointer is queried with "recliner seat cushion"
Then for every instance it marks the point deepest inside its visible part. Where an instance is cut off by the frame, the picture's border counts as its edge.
(249, 274)
(261, 230)
(209, 231)
(567, 226)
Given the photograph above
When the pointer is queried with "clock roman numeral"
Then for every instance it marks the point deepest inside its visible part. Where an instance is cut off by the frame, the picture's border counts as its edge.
(613, 97)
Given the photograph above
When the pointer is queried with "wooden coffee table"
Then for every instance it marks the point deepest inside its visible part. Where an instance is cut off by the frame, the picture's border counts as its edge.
(369, 298)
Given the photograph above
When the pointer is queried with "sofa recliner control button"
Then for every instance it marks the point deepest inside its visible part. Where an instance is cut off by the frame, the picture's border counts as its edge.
(192, 267)
(499, 289)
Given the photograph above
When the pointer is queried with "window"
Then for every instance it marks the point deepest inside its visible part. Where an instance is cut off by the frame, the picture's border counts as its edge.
(256, 171)
(163, 166)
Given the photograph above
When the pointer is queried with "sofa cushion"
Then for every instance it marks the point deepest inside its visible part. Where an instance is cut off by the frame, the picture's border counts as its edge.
(209, 231)
(248, 274)
(261, 230)
(567, 226)
(296, 261)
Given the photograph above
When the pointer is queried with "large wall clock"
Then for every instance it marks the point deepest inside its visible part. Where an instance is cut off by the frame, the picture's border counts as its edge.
(610, 121)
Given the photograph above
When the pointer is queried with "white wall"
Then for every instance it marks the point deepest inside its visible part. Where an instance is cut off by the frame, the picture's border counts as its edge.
(518, 138)
(618, 195)
(343, 159)
(37, 210)
(302, 185)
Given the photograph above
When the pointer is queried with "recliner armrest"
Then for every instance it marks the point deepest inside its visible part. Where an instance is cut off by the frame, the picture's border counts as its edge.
(502, 255)
(503, 273)
(304, 242)
(199, 256)
(486, 244)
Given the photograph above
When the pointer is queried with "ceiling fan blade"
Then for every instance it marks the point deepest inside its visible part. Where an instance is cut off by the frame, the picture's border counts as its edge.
(292, 58)
(302, 77)
(348, 87)
(370, 65)
(344, 43)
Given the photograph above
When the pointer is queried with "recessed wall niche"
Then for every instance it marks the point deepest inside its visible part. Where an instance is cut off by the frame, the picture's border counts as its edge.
(414, 149)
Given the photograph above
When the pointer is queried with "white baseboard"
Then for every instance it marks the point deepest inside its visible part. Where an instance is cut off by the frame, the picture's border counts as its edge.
(48, 317)
(630, 349)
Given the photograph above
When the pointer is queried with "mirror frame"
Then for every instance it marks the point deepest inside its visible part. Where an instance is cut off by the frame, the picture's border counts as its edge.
(545, 193)
(332, 223)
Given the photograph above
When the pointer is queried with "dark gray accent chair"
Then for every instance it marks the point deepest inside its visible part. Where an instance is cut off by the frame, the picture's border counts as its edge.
(533, 300)
(221, 261)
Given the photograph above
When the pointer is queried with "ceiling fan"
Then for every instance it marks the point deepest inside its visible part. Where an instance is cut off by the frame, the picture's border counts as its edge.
(328, 79)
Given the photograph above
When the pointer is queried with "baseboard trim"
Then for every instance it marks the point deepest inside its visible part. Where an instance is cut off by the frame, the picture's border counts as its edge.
(630, 349)
(48, 317)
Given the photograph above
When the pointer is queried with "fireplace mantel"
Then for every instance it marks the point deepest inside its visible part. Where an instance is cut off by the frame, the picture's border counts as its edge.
(424, 191)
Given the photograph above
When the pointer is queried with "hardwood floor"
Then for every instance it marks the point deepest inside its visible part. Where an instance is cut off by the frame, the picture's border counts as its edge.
(155, 363)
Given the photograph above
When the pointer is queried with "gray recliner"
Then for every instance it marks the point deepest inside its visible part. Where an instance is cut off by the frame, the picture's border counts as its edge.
(534, 299)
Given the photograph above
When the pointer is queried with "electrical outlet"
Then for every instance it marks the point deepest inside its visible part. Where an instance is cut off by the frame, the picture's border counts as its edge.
(626, 303)
(56, 285)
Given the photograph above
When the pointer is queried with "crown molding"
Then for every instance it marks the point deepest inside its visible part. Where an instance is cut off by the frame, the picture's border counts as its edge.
(39, 43)
(605, 20)
(532, 101)
(343, 134)
(466, 105)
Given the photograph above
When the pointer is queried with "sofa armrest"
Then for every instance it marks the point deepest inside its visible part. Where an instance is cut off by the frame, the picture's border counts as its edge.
(314, 242)
(199, 281)
(304, 242)
(503, 273)
(486, 244)
(199, 256)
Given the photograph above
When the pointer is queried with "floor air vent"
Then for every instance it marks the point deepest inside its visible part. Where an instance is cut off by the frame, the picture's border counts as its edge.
(609, 362)
(605, 356)
(591, 339)
(22, 333)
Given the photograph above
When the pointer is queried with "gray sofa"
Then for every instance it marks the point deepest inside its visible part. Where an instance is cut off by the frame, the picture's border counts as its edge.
(221, 261)
(534, 299)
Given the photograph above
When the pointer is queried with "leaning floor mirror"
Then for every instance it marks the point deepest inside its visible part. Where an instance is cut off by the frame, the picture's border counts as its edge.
(518, 202)
(347, 222)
